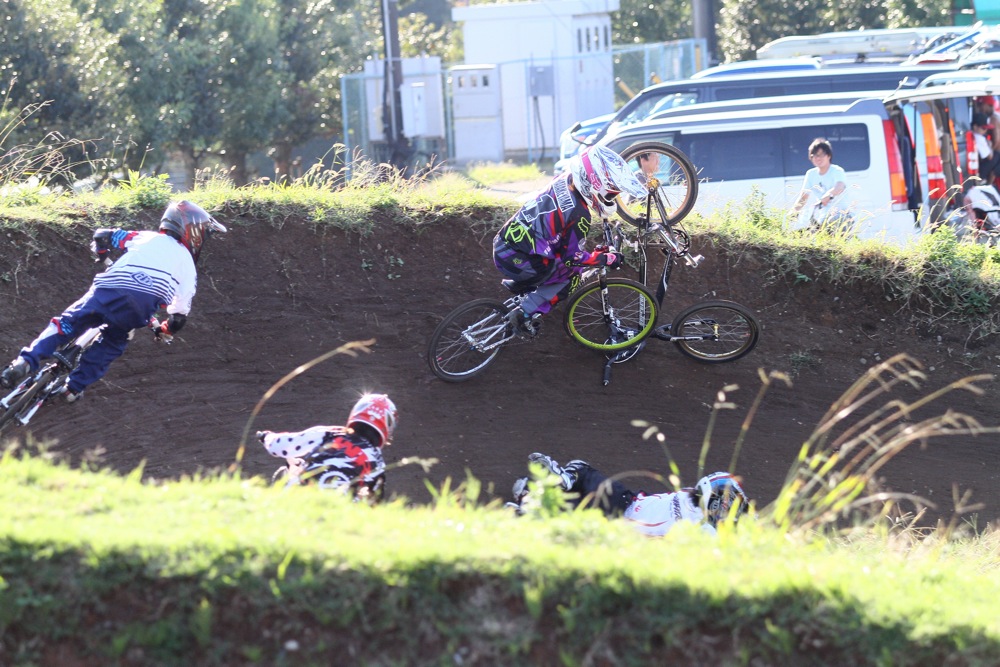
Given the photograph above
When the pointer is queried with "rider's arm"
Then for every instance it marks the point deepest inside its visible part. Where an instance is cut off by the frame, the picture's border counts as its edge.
(106, 240)
(187, 283)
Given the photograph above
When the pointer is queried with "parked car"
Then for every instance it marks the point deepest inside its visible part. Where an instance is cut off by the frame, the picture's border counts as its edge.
(741, 152)
(760, 66)
(674, 94)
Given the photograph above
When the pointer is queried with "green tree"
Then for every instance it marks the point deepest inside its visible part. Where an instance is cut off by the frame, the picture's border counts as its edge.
(63, 69)
(646, 22)
(746, 25)
(320, 41)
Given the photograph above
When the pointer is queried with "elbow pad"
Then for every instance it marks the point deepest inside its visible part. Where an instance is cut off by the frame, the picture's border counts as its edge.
(176, 322)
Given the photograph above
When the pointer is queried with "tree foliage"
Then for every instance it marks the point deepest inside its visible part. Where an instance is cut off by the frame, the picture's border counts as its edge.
(644, 21)
(746, 25)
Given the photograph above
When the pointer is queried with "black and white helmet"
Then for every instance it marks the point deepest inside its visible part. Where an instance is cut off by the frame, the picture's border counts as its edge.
(600, 175)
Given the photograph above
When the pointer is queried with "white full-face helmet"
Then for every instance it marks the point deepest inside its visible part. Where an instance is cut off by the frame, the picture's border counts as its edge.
(718, 494)
(600, 175)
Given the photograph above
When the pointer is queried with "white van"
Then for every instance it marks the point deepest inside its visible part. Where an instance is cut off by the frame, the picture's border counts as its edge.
(738, 152)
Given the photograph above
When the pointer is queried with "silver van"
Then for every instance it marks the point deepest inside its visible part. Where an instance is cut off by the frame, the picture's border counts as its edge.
(673, 94)
(739, 152)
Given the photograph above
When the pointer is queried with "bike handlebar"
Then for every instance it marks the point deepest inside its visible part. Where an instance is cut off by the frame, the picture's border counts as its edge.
(160, 335)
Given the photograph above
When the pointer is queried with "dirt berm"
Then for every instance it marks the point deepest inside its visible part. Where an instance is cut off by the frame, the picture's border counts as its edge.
(271, 298)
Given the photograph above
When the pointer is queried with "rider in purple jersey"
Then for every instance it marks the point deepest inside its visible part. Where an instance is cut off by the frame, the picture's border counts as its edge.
(532, 248)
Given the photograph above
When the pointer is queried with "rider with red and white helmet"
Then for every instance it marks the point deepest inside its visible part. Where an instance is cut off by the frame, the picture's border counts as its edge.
(347, 457)
(715, 498)
(532, 248)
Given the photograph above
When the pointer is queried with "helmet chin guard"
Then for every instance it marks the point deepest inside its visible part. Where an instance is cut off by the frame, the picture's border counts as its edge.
(600, 175)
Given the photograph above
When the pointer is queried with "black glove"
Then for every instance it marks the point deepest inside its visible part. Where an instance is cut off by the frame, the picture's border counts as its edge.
(101, 244)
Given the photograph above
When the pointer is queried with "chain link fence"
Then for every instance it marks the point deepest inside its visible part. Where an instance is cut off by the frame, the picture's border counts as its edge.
(635, 67)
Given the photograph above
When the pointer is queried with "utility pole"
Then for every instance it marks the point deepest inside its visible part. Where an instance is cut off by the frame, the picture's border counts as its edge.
(703, 23)
(392, 107)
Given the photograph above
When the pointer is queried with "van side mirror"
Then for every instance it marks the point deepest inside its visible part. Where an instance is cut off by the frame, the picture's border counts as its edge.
(908, 82)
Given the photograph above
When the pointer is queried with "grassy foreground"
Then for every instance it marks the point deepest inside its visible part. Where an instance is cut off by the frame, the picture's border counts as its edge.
(99, 569)
(102, 569)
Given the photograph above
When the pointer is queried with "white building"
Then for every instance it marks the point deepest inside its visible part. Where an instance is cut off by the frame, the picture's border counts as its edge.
(544, 64)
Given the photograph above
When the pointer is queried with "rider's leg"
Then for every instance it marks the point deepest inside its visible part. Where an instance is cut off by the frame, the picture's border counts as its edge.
(554, 288)
(80, 316)
(597, 490)
(122, 311)
(95, 361)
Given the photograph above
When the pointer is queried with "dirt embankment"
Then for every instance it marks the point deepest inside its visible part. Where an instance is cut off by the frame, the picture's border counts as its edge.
(270, 300)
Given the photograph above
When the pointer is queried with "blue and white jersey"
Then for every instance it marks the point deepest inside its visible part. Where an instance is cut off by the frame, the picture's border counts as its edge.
(155, 264)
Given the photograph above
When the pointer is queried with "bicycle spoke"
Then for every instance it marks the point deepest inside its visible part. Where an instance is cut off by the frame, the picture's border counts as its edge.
(628, 319)
(715, 331)
(468, 340)
(672, 182)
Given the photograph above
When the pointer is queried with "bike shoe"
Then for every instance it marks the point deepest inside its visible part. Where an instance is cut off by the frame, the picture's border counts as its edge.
(524, 325)
(520, 489)
(568, 477)
(68, 394)
(13, 374)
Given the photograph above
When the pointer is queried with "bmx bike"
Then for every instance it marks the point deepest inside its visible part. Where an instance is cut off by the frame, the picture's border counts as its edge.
(49, 381)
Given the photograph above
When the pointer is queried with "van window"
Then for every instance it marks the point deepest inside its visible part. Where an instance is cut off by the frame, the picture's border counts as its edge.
(850, 144)
(759, 89)
(772, 153)
(728, 156)
(655, 103)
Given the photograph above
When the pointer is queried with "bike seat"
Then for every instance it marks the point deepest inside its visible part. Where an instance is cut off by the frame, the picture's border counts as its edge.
(518, 289)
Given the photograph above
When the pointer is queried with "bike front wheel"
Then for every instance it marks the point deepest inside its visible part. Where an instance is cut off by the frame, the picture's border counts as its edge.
(672, 181)
(613, 318)
(468, 339)
(715, 331)
(26, 398)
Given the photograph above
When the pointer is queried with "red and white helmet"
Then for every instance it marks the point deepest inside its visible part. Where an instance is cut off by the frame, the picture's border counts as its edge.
(377, 411)
(600, 175)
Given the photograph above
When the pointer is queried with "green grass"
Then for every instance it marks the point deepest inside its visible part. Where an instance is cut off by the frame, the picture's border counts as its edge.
(492, 173)
(225, 570)
(192, 571)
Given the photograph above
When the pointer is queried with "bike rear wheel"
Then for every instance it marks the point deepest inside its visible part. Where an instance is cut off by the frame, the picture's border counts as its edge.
(715, 331)
(672, 178)
(25, 399)
(631, 315)
(468, 339)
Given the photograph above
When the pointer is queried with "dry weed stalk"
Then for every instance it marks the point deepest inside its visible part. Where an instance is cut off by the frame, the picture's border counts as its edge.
(835, 475)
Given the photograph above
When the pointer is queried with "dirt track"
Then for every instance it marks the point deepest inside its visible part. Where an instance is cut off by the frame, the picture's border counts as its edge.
(271, 300)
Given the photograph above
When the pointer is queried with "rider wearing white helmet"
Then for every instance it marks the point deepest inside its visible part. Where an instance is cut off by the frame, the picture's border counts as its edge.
(532, 248)
(712, 499)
